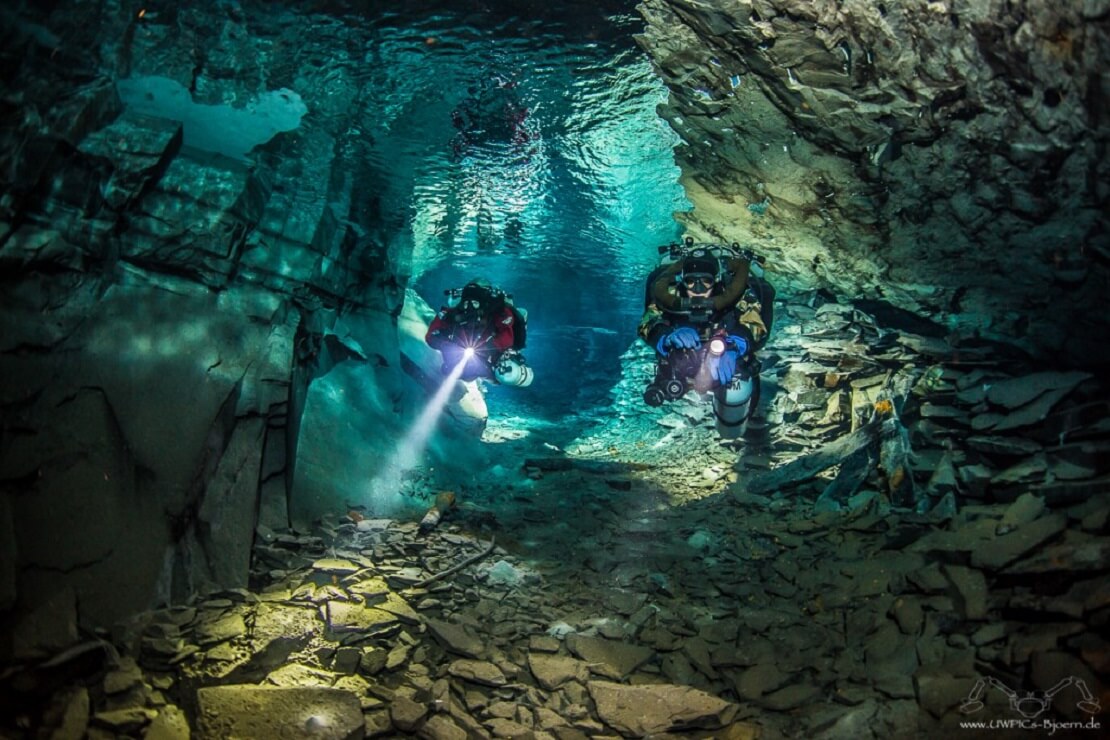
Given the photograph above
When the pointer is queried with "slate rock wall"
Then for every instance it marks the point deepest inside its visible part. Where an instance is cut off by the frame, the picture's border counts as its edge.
(164, 303)
(949, 156)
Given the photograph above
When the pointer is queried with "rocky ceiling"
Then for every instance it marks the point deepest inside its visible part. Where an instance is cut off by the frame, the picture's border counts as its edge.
(949, 157)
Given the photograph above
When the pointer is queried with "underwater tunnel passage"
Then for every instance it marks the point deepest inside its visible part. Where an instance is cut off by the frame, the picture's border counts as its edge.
(225, 232)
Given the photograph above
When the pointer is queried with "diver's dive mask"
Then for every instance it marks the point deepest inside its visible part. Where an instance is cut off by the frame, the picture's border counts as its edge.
(699, 283)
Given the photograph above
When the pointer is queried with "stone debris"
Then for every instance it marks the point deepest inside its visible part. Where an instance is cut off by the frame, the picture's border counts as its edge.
(638, 711)
(254, 711)
(170, 724)
(608, 658)
(477, 671)
(456, 638)
(735, 607)
(552, 671)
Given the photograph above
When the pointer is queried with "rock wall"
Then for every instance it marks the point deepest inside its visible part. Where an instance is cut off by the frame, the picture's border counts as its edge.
(948, 156)
(179, 266)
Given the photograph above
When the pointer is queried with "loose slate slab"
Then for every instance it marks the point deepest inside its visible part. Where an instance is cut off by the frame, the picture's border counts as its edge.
(607, 657)
(639, 711)
(125, 676)
(337, 566)
(1077, 553)
(1009, 547)
(804, 468)
(478, 671)
(298, 675)
(394, 604)
(406, 713)
(543, 644)
(509, 729)
(852, 474)
(441, 727)
(170, 724)
(1033, 412)
(256, 711)
(372, 590)
(971, 590)
(455, 638)
(998, 445)
(759, 680)
(284, 623)
(1017, 392)
(552, 671)
(124, 721)
(1022, 511)
(218, 630)
(343, 616)
(791, 697)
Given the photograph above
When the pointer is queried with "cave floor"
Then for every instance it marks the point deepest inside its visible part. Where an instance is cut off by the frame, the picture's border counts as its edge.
(647, 579)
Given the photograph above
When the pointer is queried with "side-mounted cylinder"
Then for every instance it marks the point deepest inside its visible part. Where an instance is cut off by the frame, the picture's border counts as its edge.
(733, 405)
(511, 369)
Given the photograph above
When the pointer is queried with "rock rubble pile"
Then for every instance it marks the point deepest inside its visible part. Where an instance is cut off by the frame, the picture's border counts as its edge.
(652, 581)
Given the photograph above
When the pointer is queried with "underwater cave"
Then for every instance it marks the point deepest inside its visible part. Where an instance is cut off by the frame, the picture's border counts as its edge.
(784, 412)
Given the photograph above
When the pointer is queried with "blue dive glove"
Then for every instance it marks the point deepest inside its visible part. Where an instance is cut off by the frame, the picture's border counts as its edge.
(681, 338)
(738, 342)
(724, 366)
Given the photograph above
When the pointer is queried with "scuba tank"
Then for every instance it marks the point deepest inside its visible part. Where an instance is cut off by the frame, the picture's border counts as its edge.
(734, 403)
(512, 370)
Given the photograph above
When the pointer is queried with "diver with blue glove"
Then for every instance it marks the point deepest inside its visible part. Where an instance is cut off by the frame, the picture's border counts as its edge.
(707, 312)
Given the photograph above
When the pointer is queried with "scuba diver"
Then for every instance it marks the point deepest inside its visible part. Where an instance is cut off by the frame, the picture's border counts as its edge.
(708, 309)
(493, 112)
(481, 326)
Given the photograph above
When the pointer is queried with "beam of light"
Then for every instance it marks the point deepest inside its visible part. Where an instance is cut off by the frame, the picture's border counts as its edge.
(385, 489)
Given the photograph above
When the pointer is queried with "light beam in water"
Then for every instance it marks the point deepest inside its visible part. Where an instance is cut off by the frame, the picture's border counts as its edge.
(385, 488)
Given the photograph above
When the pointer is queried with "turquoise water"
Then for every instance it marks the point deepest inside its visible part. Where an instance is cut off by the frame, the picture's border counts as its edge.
(527, 151)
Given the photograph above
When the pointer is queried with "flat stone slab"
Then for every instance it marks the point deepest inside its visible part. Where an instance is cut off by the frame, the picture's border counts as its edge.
(124, 677)
(339, 566)
(372, 590)
(406, 713)
(791, 697)
(124, 721)
(344, 616)
(287, 713)
(639, 711)
(455, 638)
(1009, 547)
(609, 658)
(971, 591)
(170, 724)
(394, 604)
(280, 621)
(1022, 511)
(298, 675)
(1015, 392)
(552, 671)
(759, 680)
(477, 671)
(224, 628)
